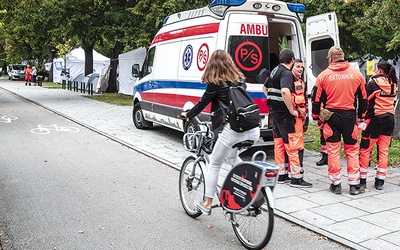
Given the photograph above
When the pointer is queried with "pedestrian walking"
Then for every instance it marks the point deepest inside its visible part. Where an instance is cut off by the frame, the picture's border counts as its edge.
(379, 122)
(280, 90)
(28, 75)
(343, 88)
(34, 74)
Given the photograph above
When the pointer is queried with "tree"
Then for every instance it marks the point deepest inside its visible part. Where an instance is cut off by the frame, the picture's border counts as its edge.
(378, 30)
(116, 38)
(346, 12)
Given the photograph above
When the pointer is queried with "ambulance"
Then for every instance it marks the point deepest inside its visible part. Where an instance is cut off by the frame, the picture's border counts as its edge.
(252, 31)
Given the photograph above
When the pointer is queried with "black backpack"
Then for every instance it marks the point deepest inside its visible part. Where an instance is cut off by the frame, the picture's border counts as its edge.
(243, 113)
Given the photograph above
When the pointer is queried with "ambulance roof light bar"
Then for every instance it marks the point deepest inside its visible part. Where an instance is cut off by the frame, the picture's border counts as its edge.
(298, 8)
(218, 7)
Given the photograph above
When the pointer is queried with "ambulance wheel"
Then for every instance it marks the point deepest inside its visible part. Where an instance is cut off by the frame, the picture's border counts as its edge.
(138, 118)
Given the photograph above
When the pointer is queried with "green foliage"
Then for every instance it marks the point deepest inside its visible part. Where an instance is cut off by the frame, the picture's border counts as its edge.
(379, 29)
(40, 29)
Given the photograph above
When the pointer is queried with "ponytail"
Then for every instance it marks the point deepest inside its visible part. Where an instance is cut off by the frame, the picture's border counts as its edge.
(389, 71)
(392, 74)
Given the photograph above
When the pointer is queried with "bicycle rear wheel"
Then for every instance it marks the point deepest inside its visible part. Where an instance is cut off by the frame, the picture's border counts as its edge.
(191, 185)
(254, 226)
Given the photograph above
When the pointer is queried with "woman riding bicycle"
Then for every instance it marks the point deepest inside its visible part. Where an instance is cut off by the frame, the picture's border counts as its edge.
(220, 70)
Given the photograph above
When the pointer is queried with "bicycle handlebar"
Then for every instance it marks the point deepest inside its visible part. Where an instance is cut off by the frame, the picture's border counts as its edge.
(198, 121)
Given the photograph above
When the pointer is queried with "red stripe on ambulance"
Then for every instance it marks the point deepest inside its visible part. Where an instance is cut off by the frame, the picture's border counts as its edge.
(187, 32)
(175, 100)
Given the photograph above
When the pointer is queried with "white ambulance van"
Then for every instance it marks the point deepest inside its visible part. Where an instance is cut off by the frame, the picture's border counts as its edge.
(252, 31)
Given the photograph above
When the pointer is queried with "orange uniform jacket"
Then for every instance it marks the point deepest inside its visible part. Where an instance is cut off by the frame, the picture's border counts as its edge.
(339, 85)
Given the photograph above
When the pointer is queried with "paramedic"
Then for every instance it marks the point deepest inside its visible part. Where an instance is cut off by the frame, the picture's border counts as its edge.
(299, 103)
(28, 75)
(381, 90)
(220, 69)
(342, 86)
(279, 88)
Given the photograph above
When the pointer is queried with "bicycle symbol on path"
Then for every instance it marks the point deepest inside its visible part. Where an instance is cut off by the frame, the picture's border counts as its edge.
(46, 129)
(8, 119)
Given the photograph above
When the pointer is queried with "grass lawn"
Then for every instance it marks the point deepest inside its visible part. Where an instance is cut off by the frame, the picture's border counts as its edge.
(51, 85)
(113, 98)
(313, 133)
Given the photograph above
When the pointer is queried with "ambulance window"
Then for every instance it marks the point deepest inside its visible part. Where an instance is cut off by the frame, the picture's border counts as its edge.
(148, 63)
(319, 53)
(251, 54)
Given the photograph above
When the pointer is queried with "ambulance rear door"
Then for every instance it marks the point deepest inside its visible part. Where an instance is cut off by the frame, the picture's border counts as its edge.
(321, 34)
(247, 41)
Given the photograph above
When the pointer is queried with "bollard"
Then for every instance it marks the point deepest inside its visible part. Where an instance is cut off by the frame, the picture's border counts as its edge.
(91, 88)
(76, 86)
(63, 84)
(39, 81)
(69, 85)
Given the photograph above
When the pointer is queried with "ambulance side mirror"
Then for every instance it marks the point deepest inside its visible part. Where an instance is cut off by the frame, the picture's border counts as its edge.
(135, 70)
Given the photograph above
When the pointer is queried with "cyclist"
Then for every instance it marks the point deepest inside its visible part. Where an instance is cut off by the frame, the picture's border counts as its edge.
(220, 69)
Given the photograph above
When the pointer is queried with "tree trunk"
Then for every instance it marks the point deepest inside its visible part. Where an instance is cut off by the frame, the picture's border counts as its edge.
(88, 59)
(4, 68)
(112, 81)
(50, 56)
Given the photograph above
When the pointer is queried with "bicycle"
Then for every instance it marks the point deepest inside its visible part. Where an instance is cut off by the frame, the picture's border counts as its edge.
(246, 194)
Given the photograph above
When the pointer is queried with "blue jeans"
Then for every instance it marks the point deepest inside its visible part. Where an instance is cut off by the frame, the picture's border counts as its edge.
(223, 148)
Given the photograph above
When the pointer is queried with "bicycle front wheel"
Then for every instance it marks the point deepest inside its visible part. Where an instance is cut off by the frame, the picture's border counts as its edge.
(191, 185)
(254, 226)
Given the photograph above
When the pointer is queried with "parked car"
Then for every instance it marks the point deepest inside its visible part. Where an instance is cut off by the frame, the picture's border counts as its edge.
(16, 71)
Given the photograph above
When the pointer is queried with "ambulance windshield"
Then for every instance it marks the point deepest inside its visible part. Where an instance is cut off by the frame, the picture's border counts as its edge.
(251, 55)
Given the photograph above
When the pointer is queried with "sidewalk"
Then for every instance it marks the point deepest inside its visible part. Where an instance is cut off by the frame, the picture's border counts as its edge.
(366, 221)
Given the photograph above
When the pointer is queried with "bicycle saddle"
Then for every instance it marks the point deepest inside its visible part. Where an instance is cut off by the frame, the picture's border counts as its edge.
(243, 144)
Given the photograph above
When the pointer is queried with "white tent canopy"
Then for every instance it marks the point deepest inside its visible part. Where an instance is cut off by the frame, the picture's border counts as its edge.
(75, 62)
(126, 60)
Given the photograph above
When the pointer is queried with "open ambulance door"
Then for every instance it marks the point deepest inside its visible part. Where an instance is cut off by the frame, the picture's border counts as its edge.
(322, 33)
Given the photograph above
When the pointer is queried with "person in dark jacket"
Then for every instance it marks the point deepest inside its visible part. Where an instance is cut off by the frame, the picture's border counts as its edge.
(279, 89)
(219, 71)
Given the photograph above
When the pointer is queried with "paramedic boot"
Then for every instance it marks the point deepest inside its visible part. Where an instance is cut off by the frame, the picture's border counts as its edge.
(355, 189)
(283, 178)
(363, 185)
(324, 159)
(379, 184)
(336, 189)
